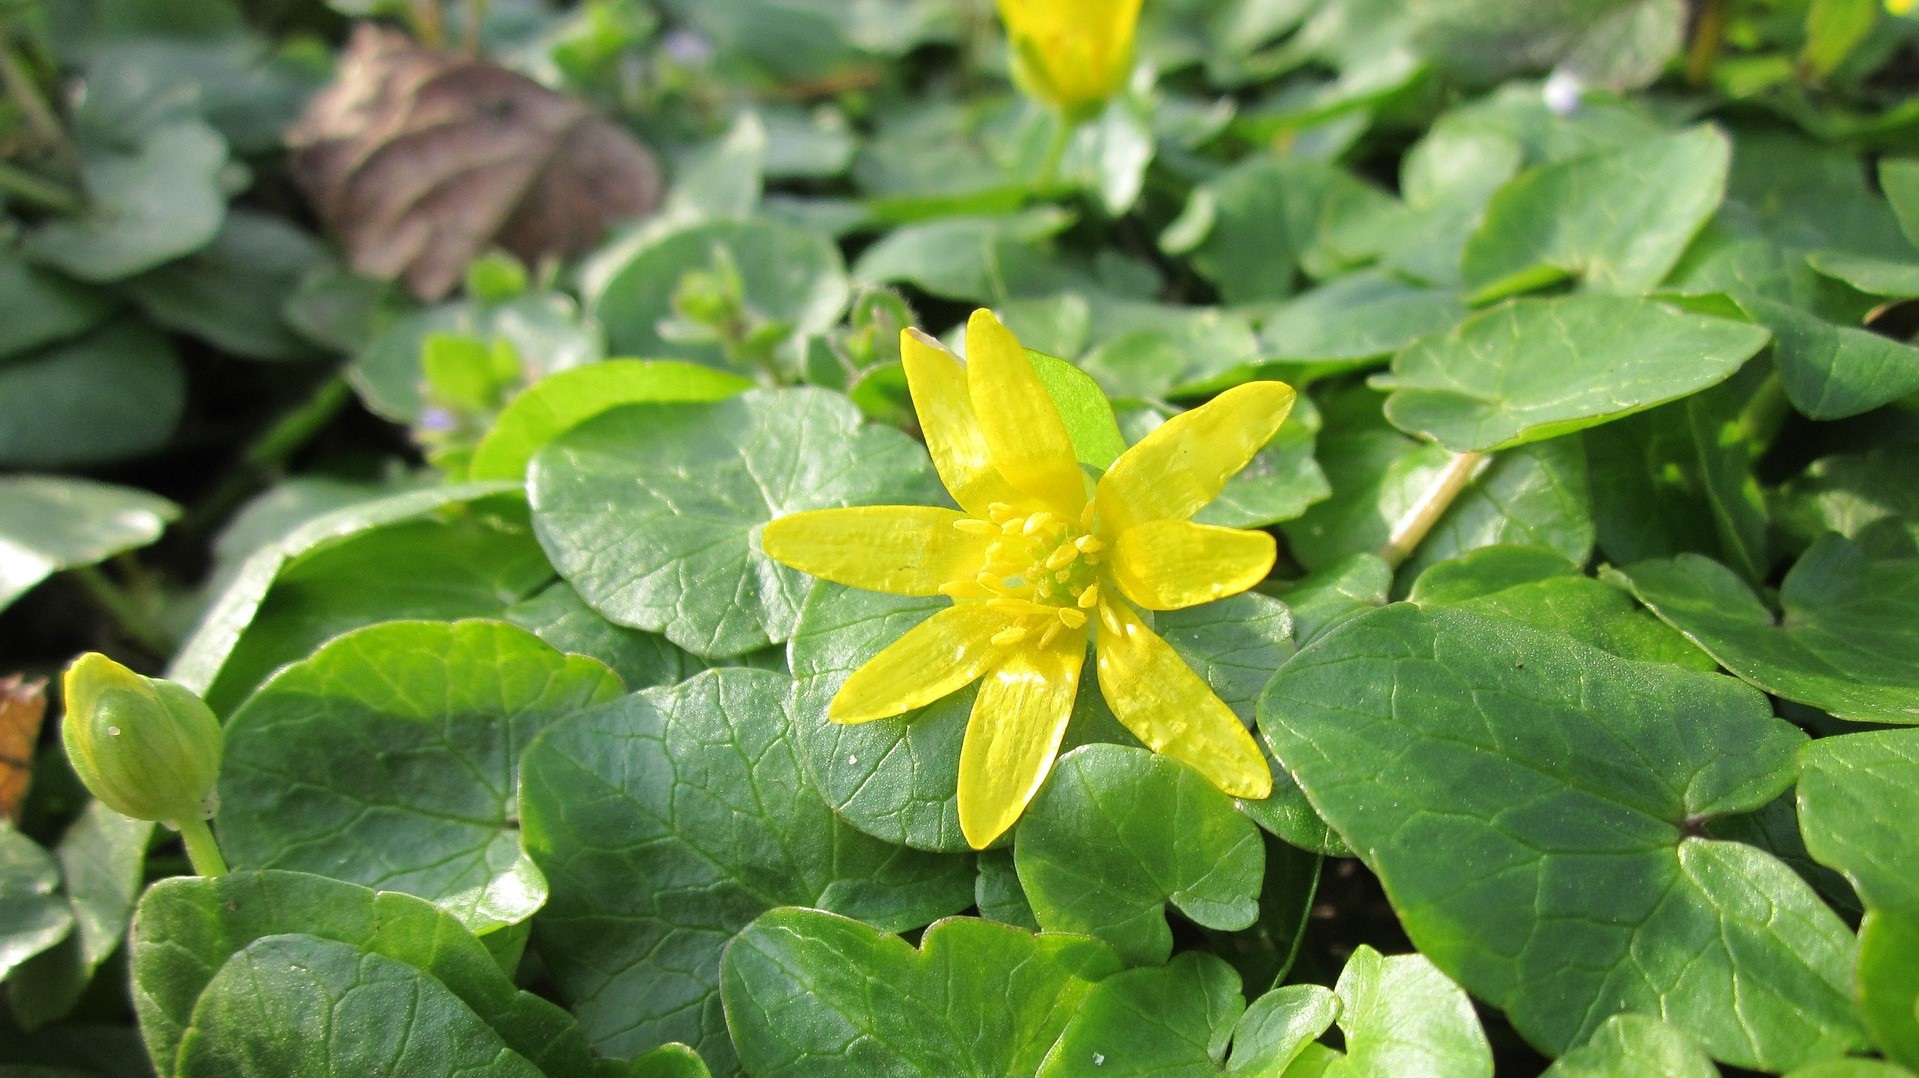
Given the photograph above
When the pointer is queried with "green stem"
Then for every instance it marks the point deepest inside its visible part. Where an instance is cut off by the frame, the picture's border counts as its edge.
(1708, 34)
(1411, 528)
(26, 95)
(128, 615)
(1056, 152)
(41, 192)
(201, 849)
(267, 455)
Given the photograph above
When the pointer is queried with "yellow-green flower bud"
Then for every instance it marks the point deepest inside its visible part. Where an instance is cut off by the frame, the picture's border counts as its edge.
(146, 747)
(1071, 54)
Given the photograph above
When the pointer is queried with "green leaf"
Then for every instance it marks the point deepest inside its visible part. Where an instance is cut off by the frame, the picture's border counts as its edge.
(276, 1008)
(1634, 1046)
(1345, 589)
(1235, 644)
(790, 278)
(32, 916)
(1679, 479)
(117, 392)
(1618, 220)
(561, 618)
(147, 203)
(1354, 321)
(1831, 372)
(997, 891)
(1834, 28)
(1899, 179)
(1401, 1015)
(1861, 496)
(545, 329)
(1541, 588)
(666, 1061)
(1846, 640)
(973, 259)
(188, 927)
(1266, 216)
(561, 401)
(102, 858)
(811, 993)
(1874, 276)
(38, 307)
(48, 524)
(1536, 495)
(1178, 1019)
(653, 512)
(1535, 369)
(231, 292)
(1526, 801)
(391, 758)
(1117, 833)
(1855, 792)
(1163, 359)
(665, 823)
(1280, 483)
(440, 554)
(1087, 412)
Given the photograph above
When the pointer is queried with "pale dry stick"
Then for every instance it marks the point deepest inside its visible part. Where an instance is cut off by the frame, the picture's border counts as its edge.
(1411, 528)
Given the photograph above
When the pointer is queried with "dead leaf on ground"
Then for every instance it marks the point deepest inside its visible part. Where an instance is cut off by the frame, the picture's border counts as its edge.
(420, 162)
(23, 706)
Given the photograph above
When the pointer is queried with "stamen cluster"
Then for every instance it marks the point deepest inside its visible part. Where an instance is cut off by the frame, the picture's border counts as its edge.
(1040, 569)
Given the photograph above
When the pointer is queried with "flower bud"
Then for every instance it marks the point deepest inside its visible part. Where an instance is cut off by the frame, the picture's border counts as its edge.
(146, 747)
(1071, 54)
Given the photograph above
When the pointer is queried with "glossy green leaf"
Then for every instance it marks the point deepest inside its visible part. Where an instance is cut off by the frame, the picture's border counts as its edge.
(1855, 792)
(1541, 588)
(980, 259)
(114, 393)
(1344, 589)
(790, 278)
(52, 523)
(545, 330)
(1899, 179)
(668, 821)
(1084, 408)
(32, 915)
(1846, 641)
(1875, 276)
(147, 203)
(102, 858)
(561, 618)
(653, 512)
(1617, 220)
(811, 993)
(39, 307)
(438, 554)
(1539, 368)
(275, 1008)
(231, 292)
(391, 758)
(561, 401)
(1401, 1015)
(1831, 372)
(1118, 833)
(1526, 801)
(190, 926)
(1634, 1046)
(1353, 321)
(1178, 1020)
(1862, 496)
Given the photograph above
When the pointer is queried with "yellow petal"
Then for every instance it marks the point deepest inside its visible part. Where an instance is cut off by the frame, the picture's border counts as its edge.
(1071, 53)
(941, 655)
(1023, 429)
(1181, 466)
(898, 549)
(937, 380)
(1169, 564)
(1014, 734)
(1169, 708)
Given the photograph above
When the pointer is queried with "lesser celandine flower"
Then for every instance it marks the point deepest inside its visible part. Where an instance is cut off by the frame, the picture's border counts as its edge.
(1037, 564)
(1071, 54)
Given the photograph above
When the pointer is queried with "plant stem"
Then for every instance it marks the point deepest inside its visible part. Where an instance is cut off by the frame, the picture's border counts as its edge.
(1056, 152)
(1410, 530)
(267, 455)
(1707, 36)
(127, 613)
(26, 95)
(201, 849)
(41, 192)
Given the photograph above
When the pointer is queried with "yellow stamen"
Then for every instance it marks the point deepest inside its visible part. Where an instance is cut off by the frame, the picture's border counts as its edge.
(1000, 512)
(1038, 522)
(1051, 633)
(1089, 597)
(1086, 544)
(1086, 517)
(1070, 617)
(1061, 558)
(973, 526)
(1009, 636)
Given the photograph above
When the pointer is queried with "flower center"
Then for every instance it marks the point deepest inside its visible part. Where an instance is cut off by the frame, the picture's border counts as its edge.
(1041, 569)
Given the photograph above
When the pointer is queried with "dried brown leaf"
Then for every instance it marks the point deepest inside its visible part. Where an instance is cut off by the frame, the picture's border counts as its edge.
(421, 161)
(23, 706)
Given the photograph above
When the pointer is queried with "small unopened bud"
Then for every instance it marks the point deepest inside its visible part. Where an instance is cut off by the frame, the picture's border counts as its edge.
(146, 747)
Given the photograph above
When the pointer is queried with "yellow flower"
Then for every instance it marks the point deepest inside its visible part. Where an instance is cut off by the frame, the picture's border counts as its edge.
(1036, 564)
(1899, 7)
(1072, 54)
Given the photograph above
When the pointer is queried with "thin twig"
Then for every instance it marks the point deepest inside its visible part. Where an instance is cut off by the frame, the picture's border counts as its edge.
(1411, 528)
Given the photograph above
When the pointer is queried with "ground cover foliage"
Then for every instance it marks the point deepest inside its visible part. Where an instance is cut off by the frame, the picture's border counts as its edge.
(414, 384)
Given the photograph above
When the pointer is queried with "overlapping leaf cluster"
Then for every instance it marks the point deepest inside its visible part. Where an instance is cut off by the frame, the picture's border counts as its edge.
(1587, 670)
